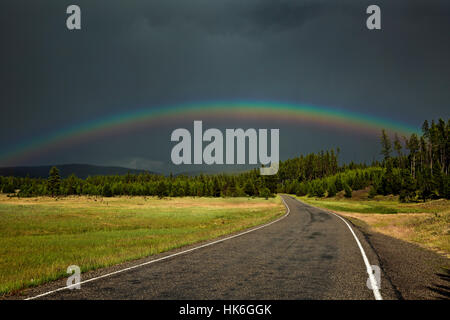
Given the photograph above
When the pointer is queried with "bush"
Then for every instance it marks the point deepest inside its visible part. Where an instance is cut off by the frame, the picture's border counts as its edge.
(106, 191)
(54, 181)
(8, 188)
(372, 192)
(338, 184)
(331, 190)
(265, 193)
(161, 190)
(319, 190)
(347, 191)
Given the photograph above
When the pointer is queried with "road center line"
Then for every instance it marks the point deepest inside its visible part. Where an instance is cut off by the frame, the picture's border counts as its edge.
(166, 257)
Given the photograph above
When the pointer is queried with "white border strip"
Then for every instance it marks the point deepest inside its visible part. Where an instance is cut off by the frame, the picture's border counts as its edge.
(373, 281)
(166, 257)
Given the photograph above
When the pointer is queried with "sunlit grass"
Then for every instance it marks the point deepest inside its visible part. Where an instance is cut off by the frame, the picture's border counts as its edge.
(424, 223)
(41, 237)
(382, 205)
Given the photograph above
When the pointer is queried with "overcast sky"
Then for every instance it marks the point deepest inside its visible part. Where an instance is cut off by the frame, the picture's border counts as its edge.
(141, 54)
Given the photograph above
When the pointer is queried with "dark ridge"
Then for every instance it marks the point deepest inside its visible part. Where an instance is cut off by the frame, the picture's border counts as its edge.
(80, 170)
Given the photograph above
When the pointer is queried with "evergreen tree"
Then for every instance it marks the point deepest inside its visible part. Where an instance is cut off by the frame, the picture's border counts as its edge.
(339, 185)
(347, 191)
(413, 145)
(8, 188)
(398, 149)
(216, 188)
(331, 190)
(54, 181)
(386, 146)
(319, 190)
(106, 191)
(426, 185)
(265, 193)
(249, 188)
(372, 192)
(408, 189)
(302, 190)
(161, 190)
(398, 146)
(72, 184)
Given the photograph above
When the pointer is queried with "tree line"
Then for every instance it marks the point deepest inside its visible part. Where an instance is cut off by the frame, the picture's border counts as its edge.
(414, 167)
(145, 184)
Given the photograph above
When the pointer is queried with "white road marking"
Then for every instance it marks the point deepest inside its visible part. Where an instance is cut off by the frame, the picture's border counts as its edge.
(166, 257)
(373, 281)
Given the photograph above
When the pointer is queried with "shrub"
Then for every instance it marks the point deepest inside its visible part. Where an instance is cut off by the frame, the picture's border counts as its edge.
(347, 191)
(372, 192)
(331, 190)
(265, 193)
(106, 191)
(8, 188)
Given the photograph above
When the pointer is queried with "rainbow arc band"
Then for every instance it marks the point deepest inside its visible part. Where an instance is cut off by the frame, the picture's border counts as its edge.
(286, 112)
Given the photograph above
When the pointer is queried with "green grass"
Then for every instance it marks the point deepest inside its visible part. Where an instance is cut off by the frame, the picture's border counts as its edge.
(426, 224)
(353, 206)
(40, 238)
(381, 206)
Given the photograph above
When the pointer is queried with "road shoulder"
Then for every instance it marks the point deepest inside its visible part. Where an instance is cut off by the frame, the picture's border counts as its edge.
(414, 272)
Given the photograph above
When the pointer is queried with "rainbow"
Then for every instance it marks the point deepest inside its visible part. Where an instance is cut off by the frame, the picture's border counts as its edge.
(286, 112)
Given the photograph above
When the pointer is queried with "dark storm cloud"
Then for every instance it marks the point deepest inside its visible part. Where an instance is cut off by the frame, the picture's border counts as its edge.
(137, 54)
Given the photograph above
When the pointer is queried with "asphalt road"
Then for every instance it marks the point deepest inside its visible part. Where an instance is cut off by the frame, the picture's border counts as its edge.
(309, 254)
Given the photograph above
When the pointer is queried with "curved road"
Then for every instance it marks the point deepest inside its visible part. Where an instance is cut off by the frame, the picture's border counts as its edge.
(309, 254)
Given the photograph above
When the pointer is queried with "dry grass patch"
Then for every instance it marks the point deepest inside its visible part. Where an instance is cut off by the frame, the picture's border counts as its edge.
(429, 230)
(426, 224)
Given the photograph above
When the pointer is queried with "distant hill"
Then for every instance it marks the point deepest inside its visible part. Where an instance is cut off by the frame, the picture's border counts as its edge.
(80, 170)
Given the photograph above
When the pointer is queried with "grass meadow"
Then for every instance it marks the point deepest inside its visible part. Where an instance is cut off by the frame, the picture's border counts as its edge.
(41, 237)
(423, 223)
